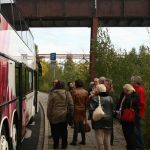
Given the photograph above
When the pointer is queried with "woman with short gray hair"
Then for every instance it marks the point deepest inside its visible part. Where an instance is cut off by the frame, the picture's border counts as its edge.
(140, 90)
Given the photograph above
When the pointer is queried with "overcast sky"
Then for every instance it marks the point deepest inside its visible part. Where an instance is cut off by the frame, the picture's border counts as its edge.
(77, 40)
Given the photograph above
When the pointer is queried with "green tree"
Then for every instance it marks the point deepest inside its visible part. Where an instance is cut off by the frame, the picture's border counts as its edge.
(47, 75)
(69, 73)
(82, 72)
(121, 66)
(73, 71)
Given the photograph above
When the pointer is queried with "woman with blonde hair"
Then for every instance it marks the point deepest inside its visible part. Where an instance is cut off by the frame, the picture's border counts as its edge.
(127, 111)
(103, 126)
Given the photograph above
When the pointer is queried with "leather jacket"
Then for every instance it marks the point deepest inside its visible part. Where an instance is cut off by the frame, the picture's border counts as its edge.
(107, 106)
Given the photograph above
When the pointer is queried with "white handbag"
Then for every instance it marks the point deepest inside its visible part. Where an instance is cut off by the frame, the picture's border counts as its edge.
(98, 112)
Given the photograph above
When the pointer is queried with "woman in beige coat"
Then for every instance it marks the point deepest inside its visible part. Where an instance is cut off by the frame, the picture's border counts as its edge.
(59, 103)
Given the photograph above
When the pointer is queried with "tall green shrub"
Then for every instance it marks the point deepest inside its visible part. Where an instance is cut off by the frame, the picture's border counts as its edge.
(121, 66)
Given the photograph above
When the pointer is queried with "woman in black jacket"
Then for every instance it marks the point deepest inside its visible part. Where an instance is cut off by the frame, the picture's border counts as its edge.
(129, 99)
(102, 127)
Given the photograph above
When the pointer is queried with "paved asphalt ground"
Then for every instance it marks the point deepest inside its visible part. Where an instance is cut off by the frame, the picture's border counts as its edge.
(38, 133)
(32, 139)
(119, 142)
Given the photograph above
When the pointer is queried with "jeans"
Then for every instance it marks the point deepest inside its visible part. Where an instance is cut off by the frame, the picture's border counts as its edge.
(139, 138)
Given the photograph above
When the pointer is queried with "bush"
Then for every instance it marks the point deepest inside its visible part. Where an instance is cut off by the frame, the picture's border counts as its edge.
(120, 67)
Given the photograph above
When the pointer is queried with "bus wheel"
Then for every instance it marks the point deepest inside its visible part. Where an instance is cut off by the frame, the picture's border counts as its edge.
(4, 140)
(14, 137)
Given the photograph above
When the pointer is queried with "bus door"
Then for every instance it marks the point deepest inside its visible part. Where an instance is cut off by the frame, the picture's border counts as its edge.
(36, 92)
(30, 96)
(20, 90)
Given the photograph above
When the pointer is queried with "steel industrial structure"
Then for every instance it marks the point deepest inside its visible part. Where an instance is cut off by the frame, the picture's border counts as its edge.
(86, 13)
(64, 56)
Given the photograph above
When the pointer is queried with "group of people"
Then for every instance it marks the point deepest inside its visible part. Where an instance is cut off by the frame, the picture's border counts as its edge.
(129, 109)
(60, 104)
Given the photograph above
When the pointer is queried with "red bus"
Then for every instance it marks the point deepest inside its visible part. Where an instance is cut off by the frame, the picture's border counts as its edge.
(18, 90)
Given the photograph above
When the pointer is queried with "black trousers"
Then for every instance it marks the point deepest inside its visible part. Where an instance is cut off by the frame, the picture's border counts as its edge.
(138, 134)
(112, 136)
(129, 134)
(79, 128)
(59, 131)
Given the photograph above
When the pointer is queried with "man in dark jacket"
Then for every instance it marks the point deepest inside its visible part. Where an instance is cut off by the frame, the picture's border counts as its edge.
(136, 82)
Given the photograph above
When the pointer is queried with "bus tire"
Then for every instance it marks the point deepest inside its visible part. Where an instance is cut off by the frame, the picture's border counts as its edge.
(4, 140)
(14, 137)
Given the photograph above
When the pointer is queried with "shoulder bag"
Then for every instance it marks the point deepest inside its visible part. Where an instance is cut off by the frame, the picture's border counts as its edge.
(128, 114)
(98, 112)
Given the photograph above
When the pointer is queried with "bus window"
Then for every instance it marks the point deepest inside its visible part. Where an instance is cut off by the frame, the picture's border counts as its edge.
(24, 29)
(17, 20)
(29, 81)
(6, 10)
(24, 36)
(17, 80)
(23, 81)
(30, 41)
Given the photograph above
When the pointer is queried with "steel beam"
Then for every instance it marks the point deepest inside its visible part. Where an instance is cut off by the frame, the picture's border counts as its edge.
(79, 13)
(123, 8)
(55, 8)
(83, 8)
